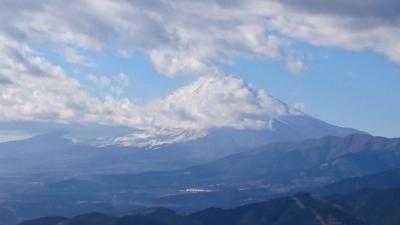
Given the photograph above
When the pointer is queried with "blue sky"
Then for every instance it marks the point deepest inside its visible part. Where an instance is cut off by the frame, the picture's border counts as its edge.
(138, 63)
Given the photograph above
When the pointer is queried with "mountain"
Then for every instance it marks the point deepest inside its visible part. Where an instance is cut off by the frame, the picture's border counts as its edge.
(223, 141)
(363, 207)
(328, 158)
(230, 197)
(246, 177)
(300, 209)
(53, 154)
(45, 221)
(374, 207)
(383, 180)
(261, 173)
(56, 156)
(110, 174)
(280, 166)
(61, 152)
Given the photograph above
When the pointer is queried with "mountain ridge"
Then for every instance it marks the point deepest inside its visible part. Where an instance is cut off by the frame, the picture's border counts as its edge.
(255, 174)
(362, 207)
(301, 209)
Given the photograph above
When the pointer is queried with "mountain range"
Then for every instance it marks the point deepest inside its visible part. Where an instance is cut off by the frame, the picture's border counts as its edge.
(365, 207)
(59, 153)
(320, 165)
(281, 167)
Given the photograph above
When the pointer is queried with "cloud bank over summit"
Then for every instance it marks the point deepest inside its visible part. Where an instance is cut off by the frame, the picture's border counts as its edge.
(216, 102)
(210, 102)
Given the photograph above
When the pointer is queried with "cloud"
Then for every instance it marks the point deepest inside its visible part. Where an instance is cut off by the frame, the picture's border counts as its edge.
(5, 81)
(114, 85)
(214, 102)
(39, 90)
(182, 37)
(297, 107)
(103, 81)
(73, 57)
(385, 10)
(353, 25)
(296, 66)
(196, 37)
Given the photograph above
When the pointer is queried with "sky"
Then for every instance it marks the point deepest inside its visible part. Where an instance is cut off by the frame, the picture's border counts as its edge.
(188, 64)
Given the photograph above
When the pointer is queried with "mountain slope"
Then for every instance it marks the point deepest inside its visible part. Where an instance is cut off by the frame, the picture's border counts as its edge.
(375, 207)
(331, 157)
(223, 141)
(312, 162)
(301, 209)
(364, 207)
(384, 180)
(45, 221)
(40, 153)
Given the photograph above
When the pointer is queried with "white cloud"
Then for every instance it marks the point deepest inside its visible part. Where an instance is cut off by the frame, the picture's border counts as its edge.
(111, 85)
(39, 90)
(101, 80)
(297, 108)
(182, 37)
(195, 37)
(296, 66)
(72, 56)
(352, 25)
